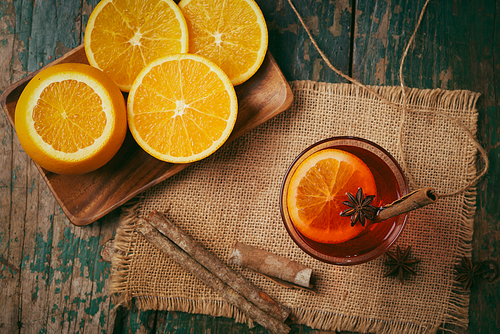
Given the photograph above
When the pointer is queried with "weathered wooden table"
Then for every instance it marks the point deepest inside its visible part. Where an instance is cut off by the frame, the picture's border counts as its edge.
(52, 277)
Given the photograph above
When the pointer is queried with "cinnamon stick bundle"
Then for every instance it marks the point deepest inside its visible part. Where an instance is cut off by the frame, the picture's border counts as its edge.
(213, 264)
(229, 291)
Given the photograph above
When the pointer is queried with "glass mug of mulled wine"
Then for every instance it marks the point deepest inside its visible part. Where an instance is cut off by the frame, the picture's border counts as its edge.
(330, 197)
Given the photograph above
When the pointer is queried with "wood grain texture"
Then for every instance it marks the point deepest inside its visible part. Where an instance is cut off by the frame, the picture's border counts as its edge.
(329, 22)
(44, 259)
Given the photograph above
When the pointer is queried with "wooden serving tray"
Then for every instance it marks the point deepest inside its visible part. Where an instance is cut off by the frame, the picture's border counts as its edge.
(87, 197)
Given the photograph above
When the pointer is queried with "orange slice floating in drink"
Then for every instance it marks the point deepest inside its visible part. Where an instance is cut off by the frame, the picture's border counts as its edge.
(316, 192)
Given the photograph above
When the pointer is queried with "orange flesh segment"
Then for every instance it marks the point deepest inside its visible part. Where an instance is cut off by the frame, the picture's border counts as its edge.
(65, 120)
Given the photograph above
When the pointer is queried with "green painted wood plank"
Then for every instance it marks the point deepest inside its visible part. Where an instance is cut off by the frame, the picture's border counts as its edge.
(8, 270)
(136, 322)
(15, 238)
(7, 37)
(382, 30)
(12, 181)
(57, 31)
(78, 278)
(185, 323)
(101, 313)
(23, 30)
(87, 251)
(82, 249)
(85, 11)
(35, 266)
(330, 24)
(64, 248)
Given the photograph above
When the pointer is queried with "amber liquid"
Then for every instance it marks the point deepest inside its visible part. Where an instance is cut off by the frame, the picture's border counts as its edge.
(374, 234)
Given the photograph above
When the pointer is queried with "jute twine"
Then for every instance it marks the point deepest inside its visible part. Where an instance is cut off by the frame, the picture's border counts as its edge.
(404, 108)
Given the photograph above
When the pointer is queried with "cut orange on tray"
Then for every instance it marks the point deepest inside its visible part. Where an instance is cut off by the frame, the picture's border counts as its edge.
(122, 37)
(231, 33)
(71, 118)
(181, 108)
(316, 192)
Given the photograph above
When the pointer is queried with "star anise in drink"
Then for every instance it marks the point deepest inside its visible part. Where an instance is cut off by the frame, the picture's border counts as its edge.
(360, 208)
(400, 263)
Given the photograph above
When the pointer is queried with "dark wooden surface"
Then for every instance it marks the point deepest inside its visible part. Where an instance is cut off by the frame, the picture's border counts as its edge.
(52, 277)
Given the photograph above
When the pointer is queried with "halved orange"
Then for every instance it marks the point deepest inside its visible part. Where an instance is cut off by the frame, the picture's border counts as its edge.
(123, 36)
(316, 192)
(71, 118)
(232, 34)
(181, 108)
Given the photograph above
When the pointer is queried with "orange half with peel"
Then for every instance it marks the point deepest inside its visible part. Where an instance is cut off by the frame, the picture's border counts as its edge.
(316, 192)
(71, 118)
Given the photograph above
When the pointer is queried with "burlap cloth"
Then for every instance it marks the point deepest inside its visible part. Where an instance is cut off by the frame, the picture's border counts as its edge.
(234, 195)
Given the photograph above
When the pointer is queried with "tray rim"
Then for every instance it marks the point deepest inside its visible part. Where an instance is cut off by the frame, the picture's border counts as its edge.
(284, 105)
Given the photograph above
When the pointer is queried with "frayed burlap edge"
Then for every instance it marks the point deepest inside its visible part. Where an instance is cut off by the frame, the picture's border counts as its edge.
(458, 307)
(123, 253)
(424, 99)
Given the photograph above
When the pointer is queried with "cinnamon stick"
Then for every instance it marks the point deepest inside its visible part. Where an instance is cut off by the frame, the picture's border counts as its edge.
(287, 284)
(414, 200)
(213, 264)
(187, 262)
(271, 264)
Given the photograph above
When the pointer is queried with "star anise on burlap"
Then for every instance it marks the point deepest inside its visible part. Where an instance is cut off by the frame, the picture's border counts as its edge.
(360, 208)
(400, 263)
(467, 271)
